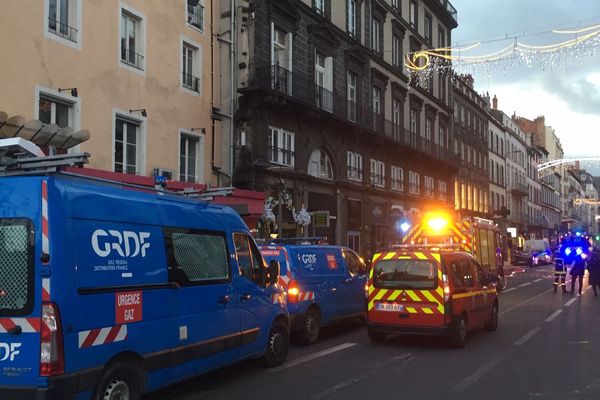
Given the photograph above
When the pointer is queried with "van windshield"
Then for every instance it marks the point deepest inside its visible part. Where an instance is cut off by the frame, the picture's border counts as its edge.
(405, 274)
(16, 267)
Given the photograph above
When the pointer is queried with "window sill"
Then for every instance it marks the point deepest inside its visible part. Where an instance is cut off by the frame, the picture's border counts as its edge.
(195, 28)
(129, 67)
(190, 91)
(74, 44)
(358, 180)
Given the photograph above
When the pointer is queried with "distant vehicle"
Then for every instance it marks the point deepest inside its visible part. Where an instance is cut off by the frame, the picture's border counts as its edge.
(519, 256)
(107, 293)
(324, 284)
(429, 290)
(540, 249)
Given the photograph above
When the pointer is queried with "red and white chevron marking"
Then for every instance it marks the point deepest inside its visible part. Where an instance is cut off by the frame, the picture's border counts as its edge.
(306, 296)
(45, 289)
(101, 336)
(45, 237)
(28, 325)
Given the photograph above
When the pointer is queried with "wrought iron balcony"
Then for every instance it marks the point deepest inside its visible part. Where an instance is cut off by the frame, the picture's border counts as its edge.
(305, 91)
(191, 82)
(62, 30)
(520, 189)
(450, 9)
(132, 58)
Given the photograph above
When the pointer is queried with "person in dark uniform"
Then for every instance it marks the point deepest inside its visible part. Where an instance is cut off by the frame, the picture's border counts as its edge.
(577, 271)
(594, 270)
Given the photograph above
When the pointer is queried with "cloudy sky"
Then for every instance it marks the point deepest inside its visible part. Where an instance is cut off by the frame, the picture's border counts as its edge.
(566, 91)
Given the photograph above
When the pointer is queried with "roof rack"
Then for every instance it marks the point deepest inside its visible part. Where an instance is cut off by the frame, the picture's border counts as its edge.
(300, 240)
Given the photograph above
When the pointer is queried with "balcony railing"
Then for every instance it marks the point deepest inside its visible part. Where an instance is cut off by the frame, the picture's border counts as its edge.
(520, 189)
(191, 82)
(62, 30)
(305, 91)
(132, 58)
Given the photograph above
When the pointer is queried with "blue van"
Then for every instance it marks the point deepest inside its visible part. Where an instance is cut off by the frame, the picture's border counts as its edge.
(107, 292)
(324, 284)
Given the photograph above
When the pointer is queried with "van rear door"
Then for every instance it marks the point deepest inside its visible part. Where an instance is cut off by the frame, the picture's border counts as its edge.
(20, 304)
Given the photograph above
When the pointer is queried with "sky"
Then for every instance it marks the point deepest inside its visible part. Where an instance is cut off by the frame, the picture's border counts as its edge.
(565, 90)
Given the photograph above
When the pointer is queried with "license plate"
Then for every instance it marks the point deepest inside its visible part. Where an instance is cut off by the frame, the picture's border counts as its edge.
(389, 307)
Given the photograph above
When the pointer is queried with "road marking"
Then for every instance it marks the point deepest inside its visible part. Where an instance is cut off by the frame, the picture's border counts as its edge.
(525, 284)
(538, 280)
(527, 336)
(509, 290)
(310, 357)
(478, 374)
(525, 301)
(554, 315)
(573, 300)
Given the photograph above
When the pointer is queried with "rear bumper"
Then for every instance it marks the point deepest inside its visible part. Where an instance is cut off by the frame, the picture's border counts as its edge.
(47, 393)
(63, 387)
(412, 330)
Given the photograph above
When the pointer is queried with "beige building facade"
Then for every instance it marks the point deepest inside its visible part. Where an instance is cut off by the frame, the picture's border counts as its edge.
(136, 73)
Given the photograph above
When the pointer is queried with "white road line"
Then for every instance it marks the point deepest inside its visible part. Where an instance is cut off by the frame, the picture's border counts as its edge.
(538, 280)
(554, 315)
(509, 290)
(573, 300)
(527, 336)
(478, 374)
(525, 284)
(525, 301)
(310, 357)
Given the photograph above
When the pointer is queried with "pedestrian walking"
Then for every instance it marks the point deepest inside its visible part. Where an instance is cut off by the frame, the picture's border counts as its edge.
(593, 267)
(577, 272)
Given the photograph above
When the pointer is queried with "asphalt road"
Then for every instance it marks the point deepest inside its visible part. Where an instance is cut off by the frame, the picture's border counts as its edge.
(547, 347)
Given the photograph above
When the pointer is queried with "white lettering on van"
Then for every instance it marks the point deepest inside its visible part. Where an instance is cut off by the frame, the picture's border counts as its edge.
(126, 243)
(8, 351)
(309, 258)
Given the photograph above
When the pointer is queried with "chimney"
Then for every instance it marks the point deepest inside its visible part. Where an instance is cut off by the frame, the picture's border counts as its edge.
(495, 103)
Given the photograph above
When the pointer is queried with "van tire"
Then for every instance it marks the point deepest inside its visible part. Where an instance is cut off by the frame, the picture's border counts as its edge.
(310, 327)
(458, 339)
(119, 378)
(375, 336)
(278, 345)
(492, 324)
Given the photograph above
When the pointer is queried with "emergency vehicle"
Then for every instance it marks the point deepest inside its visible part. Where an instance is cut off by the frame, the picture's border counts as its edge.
(324, 284)
(477, 236)
(108, 291)
(429, 290)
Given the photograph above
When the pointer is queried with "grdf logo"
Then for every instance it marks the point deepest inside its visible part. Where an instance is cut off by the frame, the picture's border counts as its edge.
(126, 243)
(8, 351)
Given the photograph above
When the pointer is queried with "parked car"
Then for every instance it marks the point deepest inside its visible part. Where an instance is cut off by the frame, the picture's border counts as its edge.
(324, 284)
(518, 256)
(540, 249)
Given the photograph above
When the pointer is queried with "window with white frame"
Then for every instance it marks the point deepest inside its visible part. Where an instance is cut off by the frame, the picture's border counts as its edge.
(132, 46)
(376, 100)
(397, 177)
(397, 109)
(441, 37)
(414, 182)
(414, 121)
(281, 146)
(375, 35)
(397, 51)
(428, 129)
(351, 17)
(281, 60)
(412, 14)
(195, 14)
(352, 78)
(355, 166)
(324, 81)
(190, 67)
(377, 173)
(442, 190)
(319, 6)
(428, 27)
(320, 166)
(429, 186)
(127, 145)
(64, 18)
(55, 110)
(191, 158)
(396, 5)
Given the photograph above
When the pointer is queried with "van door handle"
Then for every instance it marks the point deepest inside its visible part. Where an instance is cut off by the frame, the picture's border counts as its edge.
(224, 300)
(245, 297)
(15, 330)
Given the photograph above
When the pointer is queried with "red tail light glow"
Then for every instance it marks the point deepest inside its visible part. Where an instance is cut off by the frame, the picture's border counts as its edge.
(51, 343)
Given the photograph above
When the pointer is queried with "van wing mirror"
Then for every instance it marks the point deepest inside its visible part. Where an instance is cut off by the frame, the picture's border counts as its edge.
(273, 272)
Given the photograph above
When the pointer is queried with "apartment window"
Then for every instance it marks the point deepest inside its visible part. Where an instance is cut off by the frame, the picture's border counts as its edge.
(412, 14)
(442, 190)
(428, 129)
(191, 158)
(429, 186)
(351, 17)
(397, 118)
(396, 5)
(127, 145)
(442, 88)
(132, 50)
(320, 166)
(319, 6)
(397, 176)
(441, 37)
(195, 14)
(377, 173)
(441, 140)
(375, 35)
(352, 78)
(397, 51)
(64, 19)
(414, 182)
(414, 121)
(428, 27)
(190, 67)
(324, 81)
(281, 60)
(53, 110)
(355, 166)
(281, 146)
(377, 109)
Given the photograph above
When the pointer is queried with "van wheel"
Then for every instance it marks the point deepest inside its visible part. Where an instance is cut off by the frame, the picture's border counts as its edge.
(492, 324)
(459, 334)
(119, 382)
(278, 345)
(376, 337)
(311, 327)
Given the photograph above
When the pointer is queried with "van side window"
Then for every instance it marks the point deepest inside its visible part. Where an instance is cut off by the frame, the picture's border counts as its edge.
(456, 273)
(481, 276)
(355, 265)
(196, 257)
(249, 259)
(467, 272)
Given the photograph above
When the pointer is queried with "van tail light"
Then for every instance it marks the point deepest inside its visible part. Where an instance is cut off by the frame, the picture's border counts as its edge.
(51, 345)
(447, 300)
(293, 291)
(446, 288)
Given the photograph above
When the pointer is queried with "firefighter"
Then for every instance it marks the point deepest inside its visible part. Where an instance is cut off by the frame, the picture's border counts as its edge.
(560, 273)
